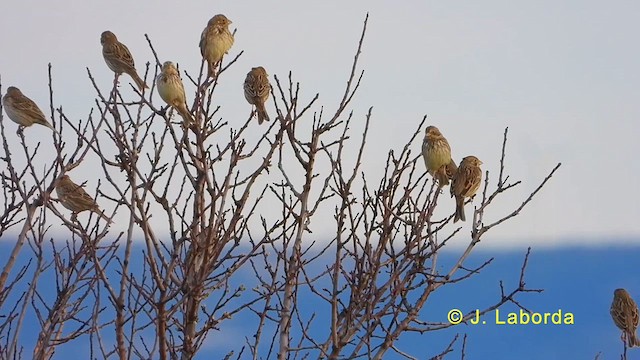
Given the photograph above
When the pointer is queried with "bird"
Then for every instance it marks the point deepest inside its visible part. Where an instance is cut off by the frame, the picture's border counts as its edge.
(118, 58)
(215, 41)
(171, 90)
(22, 110)
(74, 198)
(256, 91)
(624, 313)
(437, 156)
(465, 183)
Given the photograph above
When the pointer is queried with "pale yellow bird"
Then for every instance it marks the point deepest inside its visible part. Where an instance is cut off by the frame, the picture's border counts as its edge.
(118, 58)
(465, 183)
(256, 91)
(437, 156)
(171, 90)
(22, 110)
(74, 198)
(215, 41)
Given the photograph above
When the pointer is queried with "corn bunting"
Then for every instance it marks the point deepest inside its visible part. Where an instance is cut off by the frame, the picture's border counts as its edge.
(437, 156)
(256, 91)
(74, 198)
(118, 58)
(624, 312)
(22, 110)
(171, 90)
(215, 41)
(465, 183)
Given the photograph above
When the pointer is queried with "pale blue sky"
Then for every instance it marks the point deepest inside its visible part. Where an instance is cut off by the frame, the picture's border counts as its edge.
(562, 75)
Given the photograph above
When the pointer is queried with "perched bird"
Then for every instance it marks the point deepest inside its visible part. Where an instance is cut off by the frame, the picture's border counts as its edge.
(437, 156)
(215, 41)
(624, 312)
(256, 91)
(118, 58)
(465, 183)
(74, 198)
(171, 91)
(22, 110)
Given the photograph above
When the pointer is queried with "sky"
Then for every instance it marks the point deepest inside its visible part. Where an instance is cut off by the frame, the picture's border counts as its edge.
(576, 281)
(562, 76)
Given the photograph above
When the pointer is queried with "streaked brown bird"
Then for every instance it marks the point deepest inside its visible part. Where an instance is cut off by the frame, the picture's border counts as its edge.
(215, 41)
(256, 91)
(624, 313)
(465, 183)
(22, 110)
(73, 197)
(118, 58)
(437, 156)
(171, 90)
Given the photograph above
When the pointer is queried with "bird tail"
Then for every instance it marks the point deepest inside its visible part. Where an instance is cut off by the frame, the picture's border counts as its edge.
(262, 113)
(139, 82)
(459, 210)
(47, 124)
(633, 340)
(186, 115)
(102, 215)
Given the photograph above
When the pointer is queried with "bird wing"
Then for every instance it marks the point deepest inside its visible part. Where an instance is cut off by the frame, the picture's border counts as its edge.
(28, 107)
(77, 195)
(120, 55)
(262, 90)
(250, 91)
(472, 181)
(450, 169)
(466, 181)
(203, 40)
(633, 316)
